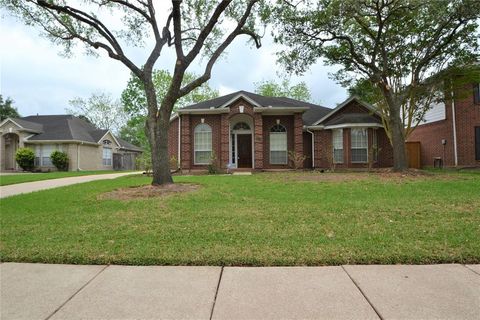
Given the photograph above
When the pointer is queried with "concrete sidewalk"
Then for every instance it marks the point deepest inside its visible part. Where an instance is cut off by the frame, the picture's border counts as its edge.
(39, 291)
(26, 187)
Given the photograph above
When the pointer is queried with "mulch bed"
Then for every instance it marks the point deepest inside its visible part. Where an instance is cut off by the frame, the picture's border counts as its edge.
(148, 191)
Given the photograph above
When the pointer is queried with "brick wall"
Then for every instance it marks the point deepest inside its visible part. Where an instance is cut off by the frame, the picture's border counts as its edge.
(324, 153)
(430, 135)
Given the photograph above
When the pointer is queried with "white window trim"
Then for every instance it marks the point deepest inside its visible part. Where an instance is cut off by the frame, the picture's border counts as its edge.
(351, 146)
(110, 158)
(333, 147)
(195, 150)
(270, 147)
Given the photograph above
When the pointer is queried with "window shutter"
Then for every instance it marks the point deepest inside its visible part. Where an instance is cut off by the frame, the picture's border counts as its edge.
(476, 93)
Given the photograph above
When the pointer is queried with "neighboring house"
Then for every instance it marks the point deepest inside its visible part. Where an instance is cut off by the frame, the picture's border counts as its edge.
(88, 147)
(247, 130)
(451, 131)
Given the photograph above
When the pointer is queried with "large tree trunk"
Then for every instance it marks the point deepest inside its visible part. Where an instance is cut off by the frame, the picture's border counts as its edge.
(158, 131)
(397, 132)
(397, 139)
(157, 125)
(398, 145)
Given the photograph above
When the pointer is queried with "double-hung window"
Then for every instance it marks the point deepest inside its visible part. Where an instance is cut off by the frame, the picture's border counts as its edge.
(278, 145)
(202, 144)
(359, 145)
(107, 156)
(375, 145)
(47, 150)
(337, 143)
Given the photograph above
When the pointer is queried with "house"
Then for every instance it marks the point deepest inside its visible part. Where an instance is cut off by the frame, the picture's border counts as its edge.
(88, 147)
(451, 131)
(247, 130)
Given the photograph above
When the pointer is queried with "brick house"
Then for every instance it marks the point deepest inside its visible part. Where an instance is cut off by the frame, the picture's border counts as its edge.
(451, 131)
(247, 130)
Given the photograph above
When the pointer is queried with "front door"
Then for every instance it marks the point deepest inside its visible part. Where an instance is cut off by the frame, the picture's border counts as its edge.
(244, 149)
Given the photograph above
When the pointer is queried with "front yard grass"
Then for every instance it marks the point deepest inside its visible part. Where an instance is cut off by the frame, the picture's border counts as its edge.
(29, 177)
(260, 220)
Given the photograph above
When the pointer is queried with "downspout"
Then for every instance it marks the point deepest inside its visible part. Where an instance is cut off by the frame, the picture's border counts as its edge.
(78, 156)
(313, 146)
(455, 155)
(179, 142)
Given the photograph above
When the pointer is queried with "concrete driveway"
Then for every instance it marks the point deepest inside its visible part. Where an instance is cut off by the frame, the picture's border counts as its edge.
(40, 291)
(26, 187)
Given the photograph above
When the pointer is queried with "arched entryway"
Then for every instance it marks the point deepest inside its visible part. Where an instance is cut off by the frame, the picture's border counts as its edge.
(11, 142)
(241, 141)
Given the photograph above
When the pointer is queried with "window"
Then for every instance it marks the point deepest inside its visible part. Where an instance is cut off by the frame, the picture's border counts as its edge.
(47, 150)
(107, 156)
(359, 145)
(278, 145)
(38, 155)
(476, 93)
(337, 142)
(202, 144)
(375, 145)
(241, 126)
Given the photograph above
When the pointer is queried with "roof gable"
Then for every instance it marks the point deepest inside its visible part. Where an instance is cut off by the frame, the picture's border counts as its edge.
(367, 108)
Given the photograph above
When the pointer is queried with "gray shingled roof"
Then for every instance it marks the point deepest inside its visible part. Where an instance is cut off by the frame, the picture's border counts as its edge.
(353, 118)
(309, 117)
(67, 127)
(28, 125)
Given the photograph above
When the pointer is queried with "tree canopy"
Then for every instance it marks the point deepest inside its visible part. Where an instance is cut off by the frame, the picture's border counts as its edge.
(299, 91)
(197, 31)
(100, 109)
(135, 103)
(396, 45)
(7, 110)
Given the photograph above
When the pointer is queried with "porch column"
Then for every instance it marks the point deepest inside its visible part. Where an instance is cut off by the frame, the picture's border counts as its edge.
(298, 135)
(258, 140)
(224, 156)
(186, 145)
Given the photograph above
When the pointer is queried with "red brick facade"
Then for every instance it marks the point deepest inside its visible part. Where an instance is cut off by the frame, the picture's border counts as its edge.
(430, 135)
(261, 121)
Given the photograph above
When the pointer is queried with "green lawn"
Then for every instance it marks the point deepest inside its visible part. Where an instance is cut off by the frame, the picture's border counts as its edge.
(260, 220)
(29, 177)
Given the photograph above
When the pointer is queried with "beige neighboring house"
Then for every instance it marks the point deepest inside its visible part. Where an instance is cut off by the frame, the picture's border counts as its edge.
(88, 147)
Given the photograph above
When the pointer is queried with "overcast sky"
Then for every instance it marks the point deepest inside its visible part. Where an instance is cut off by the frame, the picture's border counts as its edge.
(40, 81)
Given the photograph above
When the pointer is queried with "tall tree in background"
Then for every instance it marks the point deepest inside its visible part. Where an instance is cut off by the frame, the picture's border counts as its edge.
(7, 110)
(101, 110)
(193, 28)
(397, 45)
(270, 88)
(134, 102)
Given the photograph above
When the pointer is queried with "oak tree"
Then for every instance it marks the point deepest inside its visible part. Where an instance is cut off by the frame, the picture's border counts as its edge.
(193, 29)
(397, 45)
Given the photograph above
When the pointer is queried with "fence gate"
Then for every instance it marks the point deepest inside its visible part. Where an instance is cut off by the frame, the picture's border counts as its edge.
(123, 161)
(413, 154)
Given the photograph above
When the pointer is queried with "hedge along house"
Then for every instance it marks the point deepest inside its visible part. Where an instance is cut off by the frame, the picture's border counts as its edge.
(87, 147)
(244, 130)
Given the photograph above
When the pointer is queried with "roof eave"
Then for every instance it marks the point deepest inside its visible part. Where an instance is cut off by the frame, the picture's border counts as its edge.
(354, 125)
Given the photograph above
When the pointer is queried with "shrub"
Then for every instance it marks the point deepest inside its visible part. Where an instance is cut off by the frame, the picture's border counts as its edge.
(25, 158)
(296, 159)
(144, 162)
(173, 163)
(59, 160)
(213, 165)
